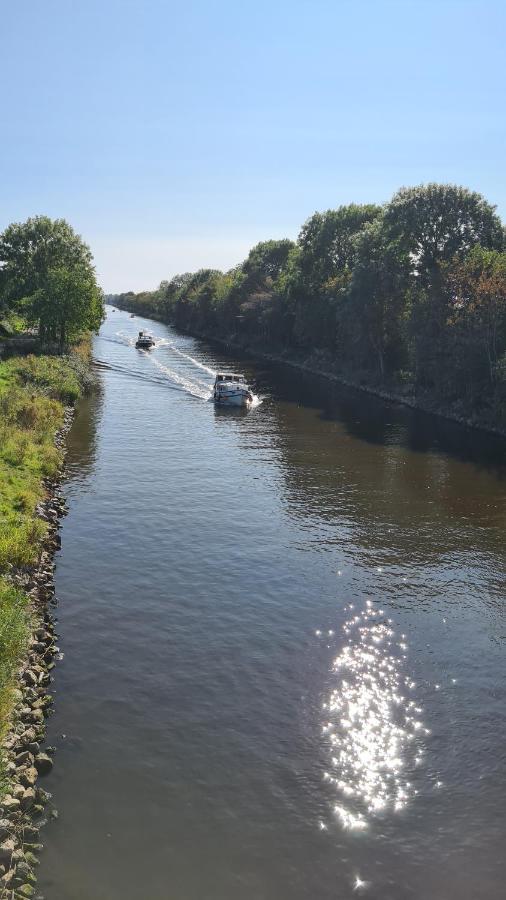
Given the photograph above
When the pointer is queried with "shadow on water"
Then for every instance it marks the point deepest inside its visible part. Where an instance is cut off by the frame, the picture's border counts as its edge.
(380, 422)
(232, 412)
(82, 439)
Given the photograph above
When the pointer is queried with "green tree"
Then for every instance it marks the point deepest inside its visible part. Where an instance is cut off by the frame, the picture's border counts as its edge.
(327, 243)
(321, 272)
(69, 304)
(475, 292)
(37, 258)
(373, 317)
(266, 260)
(436, 222)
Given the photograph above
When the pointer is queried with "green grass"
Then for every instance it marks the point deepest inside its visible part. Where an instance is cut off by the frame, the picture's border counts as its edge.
(34, 391)
(14, 632)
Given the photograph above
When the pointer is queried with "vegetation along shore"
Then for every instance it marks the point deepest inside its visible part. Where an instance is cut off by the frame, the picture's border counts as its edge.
(407, 300)
(49, 302)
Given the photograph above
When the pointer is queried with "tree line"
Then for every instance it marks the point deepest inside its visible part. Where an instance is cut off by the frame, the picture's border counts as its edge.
(411, 294)
(47, 279)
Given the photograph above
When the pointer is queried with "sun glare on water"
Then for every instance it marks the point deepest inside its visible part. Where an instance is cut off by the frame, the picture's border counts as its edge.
(372, 726)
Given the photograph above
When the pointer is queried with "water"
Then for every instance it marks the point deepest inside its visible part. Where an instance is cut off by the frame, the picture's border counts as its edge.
(284, 642)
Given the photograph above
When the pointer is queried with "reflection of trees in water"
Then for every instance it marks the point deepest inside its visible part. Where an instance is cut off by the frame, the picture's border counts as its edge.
(82, 439)
(385, 477)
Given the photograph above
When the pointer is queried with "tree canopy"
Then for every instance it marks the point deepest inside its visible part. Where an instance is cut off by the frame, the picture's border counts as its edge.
(435, 222)
(47, 274)
(412, 293)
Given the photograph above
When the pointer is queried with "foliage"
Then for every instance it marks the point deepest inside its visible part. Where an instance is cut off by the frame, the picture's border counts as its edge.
(374, 316)
(475, 329)
(327, 241)
(412, 293)
(47, 275)
(436, 222)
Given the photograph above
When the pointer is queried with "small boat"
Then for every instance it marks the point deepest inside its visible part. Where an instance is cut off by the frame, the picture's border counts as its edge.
(231, 390)
(144, 341)
(132, 315)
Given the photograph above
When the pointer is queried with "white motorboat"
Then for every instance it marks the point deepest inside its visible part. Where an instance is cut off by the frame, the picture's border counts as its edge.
(232, 390)
(144, 341)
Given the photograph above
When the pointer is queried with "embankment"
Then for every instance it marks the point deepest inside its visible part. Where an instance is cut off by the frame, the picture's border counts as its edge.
(37, 394)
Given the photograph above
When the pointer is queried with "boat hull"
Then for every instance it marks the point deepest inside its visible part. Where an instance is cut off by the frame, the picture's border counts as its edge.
(235, 399)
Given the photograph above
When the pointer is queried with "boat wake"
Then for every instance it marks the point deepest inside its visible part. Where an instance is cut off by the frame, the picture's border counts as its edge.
(125, 338)
(374, 731)
(198, 389)
(191, 359)
(196, 386)
(141, 376)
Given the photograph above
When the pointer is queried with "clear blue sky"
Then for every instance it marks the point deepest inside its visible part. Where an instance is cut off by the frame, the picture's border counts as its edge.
(176, 135)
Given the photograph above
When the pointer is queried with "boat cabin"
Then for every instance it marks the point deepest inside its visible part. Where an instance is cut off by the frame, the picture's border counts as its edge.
(144, 341)
(228, 376)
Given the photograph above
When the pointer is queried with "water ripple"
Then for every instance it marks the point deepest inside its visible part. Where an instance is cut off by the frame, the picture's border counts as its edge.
(372, 723)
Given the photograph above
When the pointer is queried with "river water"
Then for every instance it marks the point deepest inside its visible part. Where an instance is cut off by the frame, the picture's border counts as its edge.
(283, 638)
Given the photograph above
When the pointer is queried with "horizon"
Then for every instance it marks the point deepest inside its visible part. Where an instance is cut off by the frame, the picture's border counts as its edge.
(174, 139)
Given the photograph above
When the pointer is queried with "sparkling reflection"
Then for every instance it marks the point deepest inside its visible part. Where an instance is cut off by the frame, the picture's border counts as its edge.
(372, 724)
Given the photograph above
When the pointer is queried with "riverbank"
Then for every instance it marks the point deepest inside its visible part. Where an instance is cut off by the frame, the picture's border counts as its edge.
(37, 395)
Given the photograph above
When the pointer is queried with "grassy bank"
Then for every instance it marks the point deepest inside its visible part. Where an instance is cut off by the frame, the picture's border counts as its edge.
(34, 392)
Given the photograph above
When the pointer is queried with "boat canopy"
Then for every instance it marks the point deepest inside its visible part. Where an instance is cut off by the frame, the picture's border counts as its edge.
(228, 376)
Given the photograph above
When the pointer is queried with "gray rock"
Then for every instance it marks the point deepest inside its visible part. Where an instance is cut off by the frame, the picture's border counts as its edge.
(28, 777)
(30, 833)
(42, 635)
(7, 879)
(31, 859)
(28, 799)
(5, 828)
(26, 890)
(43, 763)
(33, 848)
(24, 758)
(27, 736)
(24, 870)
(7, 848)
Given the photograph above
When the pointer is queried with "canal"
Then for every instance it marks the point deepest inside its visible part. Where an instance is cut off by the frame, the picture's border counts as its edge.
(283, 637)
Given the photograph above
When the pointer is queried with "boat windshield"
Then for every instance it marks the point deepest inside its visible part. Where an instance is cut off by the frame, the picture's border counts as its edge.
(228, 376)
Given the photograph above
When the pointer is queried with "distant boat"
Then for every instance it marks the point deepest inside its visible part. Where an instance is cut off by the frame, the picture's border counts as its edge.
(232, 390)
(132, 315)
(144, 341)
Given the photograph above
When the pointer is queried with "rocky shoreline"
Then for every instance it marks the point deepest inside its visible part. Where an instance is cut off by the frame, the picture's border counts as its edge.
(25, 806)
